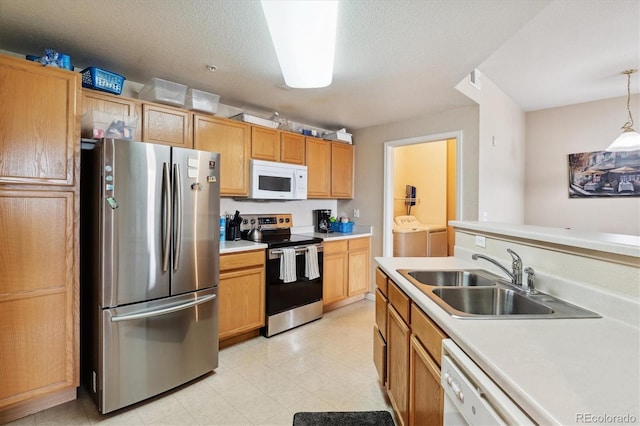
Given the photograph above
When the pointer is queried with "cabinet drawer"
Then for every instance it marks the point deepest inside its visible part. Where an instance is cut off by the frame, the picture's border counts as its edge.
(335, 247)
(241, 260)
(381, 313)
(381, 281)
(380, 355)
(358, 244)
(400, 301)
(427, 332)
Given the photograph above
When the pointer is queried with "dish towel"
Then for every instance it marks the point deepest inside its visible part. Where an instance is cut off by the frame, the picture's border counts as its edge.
(288, 265)
(311, 269)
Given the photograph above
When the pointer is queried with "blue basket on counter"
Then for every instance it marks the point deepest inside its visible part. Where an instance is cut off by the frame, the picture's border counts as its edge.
(99, 79)
(342, 226)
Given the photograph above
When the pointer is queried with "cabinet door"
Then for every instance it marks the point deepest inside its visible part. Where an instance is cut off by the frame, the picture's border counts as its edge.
(318, 168)
(380, 354)
(381, 313)
(398, 335)
(104, 102)
(265, 144)
(358, 266)
(426, 403)
(232, 140)
(334, 280)
(341, 170)
(292, 148)
(39, 123)
(38, 298)
(241, 296)
(166, 125)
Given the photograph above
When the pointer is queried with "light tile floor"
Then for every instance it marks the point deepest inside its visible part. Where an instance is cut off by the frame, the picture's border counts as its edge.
(326, 365)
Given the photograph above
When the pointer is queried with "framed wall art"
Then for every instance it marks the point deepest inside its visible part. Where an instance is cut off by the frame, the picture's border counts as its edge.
(604, 174)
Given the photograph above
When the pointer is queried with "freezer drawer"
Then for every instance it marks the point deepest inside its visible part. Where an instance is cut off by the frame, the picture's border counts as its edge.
(151, 347)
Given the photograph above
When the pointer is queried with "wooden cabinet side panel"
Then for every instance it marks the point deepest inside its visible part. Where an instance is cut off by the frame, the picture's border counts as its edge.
(39, 123)
(232, 140)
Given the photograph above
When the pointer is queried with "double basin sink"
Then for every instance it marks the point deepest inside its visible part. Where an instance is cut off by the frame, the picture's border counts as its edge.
(477, 294)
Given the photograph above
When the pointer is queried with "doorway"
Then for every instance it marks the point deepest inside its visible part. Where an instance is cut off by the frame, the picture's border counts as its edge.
(452, 142)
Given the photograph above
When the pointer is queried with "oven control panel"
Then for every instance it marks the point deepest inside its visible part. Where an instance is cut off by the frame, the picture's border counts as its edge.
(266, 221)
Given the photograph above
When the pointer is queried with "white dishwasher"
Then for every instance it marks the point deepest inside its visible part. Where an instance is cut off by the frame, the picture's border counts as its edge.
(470, 396)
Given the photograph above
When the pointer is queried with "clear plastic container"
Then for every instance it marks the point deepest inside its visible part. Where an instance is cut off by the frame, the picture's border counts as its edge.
(164, 92)
(99, 124)
(197, 100)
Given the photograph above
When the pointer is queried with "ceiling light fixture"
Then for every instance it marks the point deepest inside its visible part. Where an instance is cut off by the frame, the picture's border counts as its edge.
(629, 140)
(304, 36)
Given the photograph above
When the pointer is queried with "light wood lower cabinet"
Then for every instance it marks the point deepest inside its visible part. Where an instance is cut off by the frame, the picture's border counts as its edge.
(345, 269)
(398, 334)
(412, 348)
(241, 293)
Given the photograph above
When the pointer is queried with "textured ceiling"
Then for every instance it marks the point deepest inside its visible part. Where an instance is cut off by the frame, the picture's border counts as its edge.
(394, 59)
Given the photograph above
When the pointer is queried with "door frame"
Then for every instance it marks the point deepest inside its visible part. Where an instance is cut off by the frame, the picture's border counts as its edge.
(389, 146)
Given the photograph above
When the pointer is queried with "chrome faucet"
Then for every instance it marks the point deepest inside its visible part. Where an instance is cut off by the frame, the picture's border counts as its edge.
(516, 266)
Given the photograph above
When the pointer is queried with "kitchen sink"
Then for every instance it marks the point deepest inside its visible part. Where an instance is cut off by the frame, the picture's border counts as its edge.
(490, 301)
(454, 278)
(478, 294)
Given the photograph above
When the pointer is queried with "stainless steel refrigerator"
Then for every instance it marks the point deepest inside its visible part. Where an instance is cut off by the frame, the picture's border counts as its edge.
(149, 268)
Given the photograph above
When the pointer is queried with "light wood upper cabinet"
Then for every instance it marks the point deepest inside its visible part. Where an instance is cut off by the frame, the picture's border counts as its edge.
(39, 123)
(232, 140)
(97, 101)
(292, 148)
(166, 125)
(318, 168)
(341, 170)
(265, 143)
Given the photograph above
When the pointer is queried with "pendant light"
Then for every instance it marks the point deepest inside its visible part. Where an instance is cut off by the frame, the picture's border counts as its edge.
(629, 140)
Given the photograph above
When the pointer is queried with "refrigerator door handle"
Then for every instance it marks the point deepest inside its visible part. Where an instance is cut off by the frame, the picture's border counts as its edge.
(177, 189)
(166, 217)
(164, 311)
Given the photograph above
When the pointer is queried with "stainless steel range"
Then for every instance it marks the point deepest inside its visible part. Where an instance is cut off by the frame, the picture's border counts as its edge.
(293, 290)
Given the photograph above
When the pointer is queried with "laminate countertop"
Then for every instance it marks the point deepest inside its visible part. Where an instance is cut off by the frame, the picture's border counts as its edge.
(559, 371)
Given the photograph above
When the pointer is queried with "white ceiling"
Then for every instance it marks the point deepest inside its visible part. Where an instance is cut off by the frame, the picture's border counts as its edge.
(395, 59)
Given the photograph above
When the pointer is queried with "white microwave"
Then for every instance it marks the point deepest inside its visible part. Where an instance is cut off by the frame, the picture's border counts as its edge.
(277, 181)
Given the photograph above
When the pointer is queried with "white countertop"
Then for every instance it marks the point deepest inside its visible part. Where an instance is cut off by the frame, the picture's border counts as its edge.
(628, 245)
(555, 369)
(240, 245)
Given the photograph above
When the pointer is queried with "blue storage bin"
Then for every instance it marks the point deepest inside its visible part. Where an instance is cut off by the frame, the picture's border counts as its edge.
(99, 79)
(342, 227)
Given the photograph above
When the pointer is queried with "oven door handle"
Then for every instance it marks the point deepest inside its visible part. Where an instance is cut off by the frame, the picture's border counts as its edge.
(298, 249)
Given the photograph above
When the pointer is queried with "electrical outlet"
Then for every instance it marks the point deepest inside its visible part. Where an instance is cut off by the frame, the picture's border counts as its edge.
(481, 241)
(356, 212)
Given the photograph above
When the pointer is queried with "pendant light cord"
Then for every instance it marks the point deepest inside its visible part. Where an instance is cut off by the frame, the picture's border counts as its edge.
(628, 126)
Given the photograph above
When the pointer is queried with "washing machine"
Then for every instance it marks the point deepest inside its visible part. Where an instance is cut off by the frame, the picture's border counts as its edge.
(414, 239)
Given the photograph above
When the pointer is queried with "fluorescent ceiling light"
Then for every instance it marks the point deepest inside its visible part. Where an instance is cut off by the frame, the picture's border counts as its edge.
(304, 36)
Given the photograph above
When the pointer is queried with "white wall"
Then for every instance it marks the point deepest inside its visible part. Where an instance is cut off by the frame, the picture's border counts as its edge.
(554, 133)
(501, 153)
